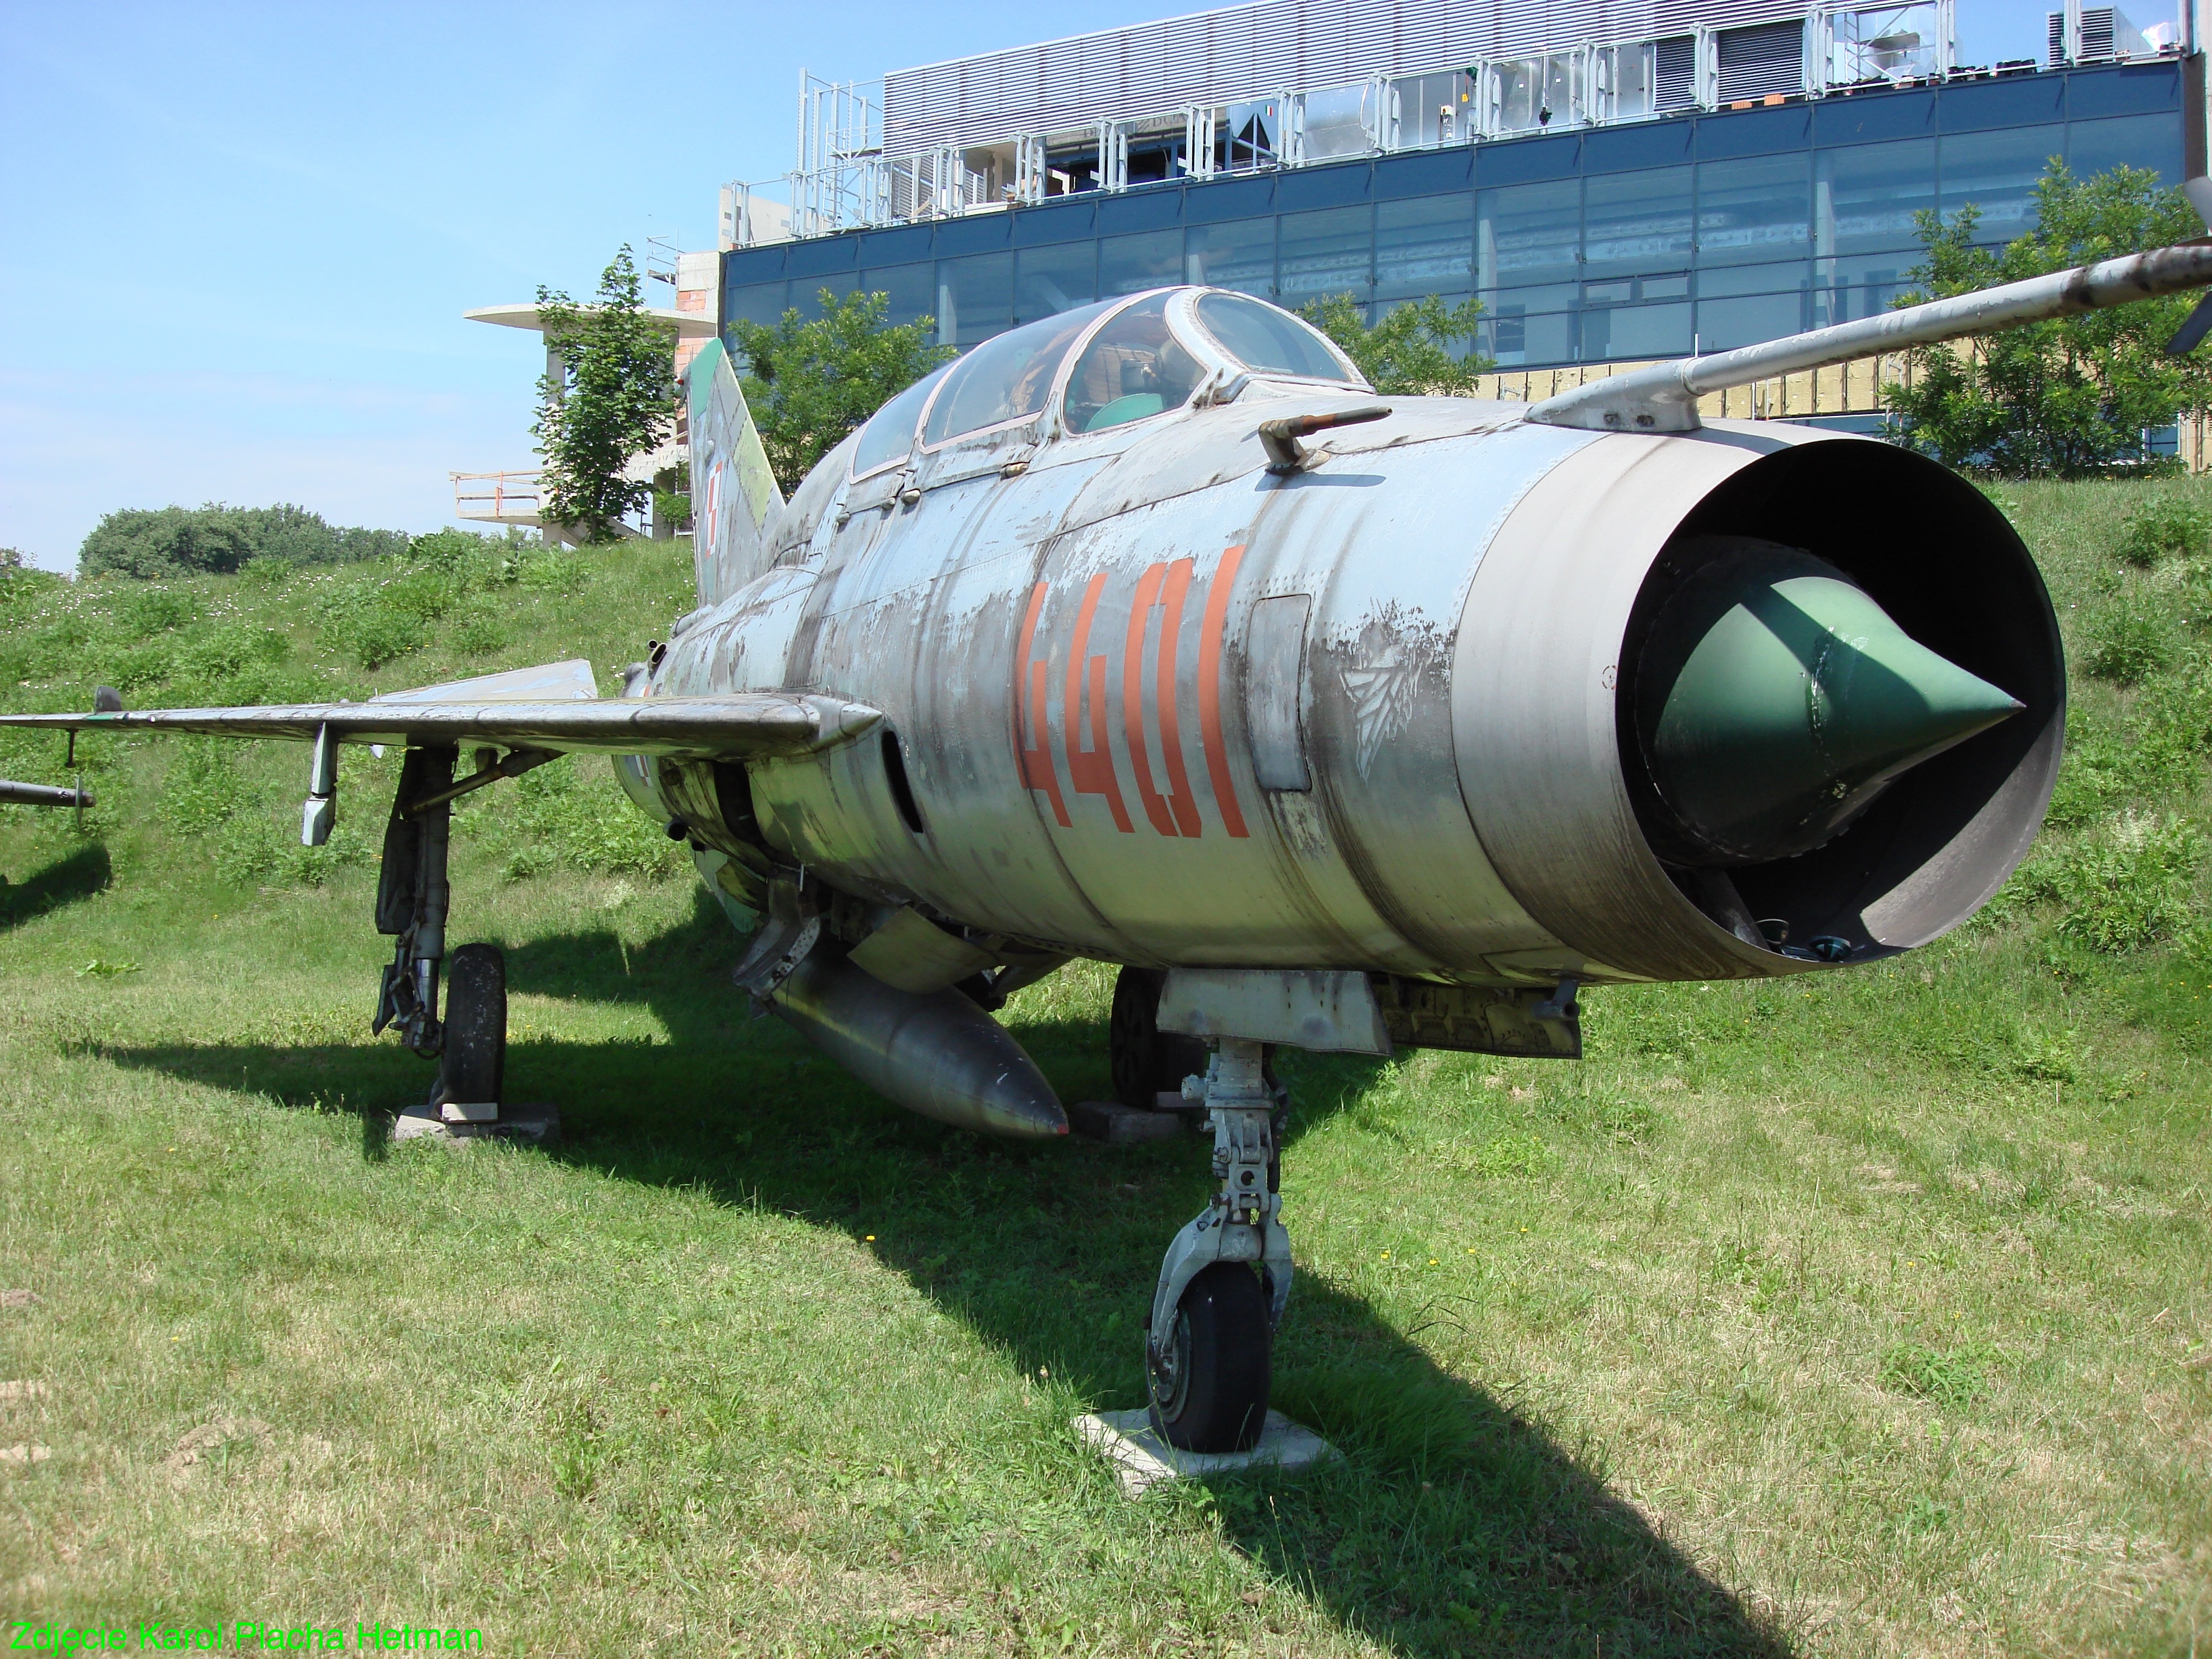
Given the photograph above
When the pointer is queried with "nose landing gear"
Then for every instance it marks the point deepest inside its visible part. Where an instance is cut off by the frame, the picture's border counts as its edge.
(1227, 1274)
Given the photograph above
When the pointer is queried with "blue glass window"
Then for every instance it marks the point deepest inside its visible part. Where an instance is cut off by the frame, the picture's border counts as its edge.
(1233, 199)
(1778, 276)
(895, 247)
(1754, 132)
(981, 234)
(1723, 325)
(1060, 220)
(1514, 335)
(912, 294)
(1328, 252)
(1997, 171)
(1861, 285)
(2133, 89)
(1865, 196)
(1637, 221)
(1520, 161)
(1435, 174)
(1303, 188)
(1636, 330)
(1860, 118)
(975, 298)
(817, 259)
(2016, 101)
(1425, 245)
(2135, 141)
(1527, 233)
(1642, 145)
(813, 295)
(1239, 254)
(1141, 209)
(1755, 210)
(1130, 265)
(761, 303)
(1052, 279)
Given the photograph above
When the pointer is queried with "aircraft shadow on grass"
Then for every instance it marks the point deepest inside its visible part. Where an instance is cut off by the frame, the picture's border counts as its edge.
(66, 881)
(1455, 1525)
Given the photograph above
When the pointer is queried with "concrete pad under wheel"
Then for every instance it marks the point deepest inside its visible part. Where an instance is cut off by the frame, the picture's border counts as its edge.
(537, 1125)
(1142, 1460)
(1110, 1122)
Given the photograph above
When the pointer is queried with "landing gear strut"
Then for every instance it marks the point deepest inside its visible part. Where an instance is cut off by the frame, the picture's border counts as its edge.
(412, 898)
(1208, 1350)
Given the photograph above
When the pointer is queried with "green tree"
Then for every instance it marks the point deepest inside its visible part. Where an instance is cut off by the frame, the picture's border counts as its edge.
(165, 541)
(611, 399)
(151, 544)
(2071, 397)
(810, 381)
(1409, 352)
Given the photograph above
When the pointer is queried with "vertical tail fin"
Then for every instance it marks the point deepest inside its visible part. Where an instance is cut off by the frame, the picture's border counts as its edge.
(734, 498)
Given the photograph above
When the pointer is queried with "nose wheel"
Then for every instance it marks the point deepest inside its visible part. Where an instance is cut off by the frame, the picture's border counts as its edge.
(1210, 1390)
(1209, 1351)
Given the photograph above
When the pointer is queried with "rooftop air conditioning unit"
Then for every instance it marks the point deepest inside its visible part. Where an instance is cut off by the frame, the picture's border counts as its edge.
(2106, 34)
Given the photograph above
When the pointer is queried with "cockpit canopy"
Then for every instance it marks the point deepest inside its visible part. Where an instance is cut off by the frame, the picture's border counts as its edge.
(1103, 366)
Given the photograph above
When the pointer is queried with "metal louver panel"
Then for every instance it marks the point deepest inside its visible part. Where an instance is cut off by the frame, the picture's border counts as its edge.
(1759, 63)
(1675, 75)
(1259, 49)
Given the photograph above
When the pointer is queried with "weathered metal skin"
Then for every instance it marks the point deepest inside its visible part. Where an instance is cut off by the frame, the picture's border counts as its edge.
(1108, 662)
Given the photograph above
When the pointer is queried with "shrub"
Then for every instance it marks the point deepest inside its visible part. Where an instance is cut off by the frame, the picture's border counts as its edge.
(159, 610)
(176, 541)
(2127, 643)
(203, 786)
(2132, 884)
(2163, 530)
(168, 541)
(589, 824)
(378, 622)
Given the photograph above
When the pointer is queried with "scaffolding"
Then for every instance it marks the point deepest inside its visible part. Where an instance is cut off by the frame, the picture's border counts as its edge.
(1016, 127)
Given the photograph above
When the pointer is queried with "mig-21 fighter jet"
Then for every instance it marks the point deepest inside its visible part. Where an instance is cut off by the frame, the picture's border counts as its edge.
(1146, 634)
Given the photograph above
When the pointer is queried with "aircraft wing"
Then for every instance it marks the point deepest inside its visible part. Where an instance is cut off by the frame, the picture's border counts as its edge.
(555, 708)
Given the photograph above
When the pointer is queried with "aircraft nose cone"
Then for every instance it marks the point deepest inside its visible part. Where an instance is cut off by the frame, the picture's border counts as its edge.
(1775, 700)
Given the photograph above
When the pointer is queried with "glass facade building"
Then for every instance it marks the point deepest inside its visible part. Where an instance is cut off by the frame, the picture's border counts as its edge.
(1695, 233)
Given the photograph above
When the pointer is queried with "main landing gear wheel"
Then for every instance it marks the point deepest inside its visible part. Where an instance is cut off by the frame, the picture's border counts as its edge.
(472, 1069)
(1147, 1061)
(1210, 1390)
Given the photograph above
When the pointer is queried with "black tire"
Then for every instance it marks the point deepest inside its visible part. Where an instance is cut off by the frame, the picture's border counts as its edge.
(1147, 1061)
(1213, 1397)
(473, 1068)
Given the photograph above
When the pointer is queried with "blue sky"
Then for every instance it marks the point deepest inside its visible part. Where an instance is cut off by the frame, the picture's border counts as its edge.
(238, 240)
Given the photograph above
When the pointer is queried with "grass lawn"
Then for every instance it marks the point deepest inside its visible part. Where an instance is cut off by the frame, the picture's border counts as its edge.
(1865, 1314)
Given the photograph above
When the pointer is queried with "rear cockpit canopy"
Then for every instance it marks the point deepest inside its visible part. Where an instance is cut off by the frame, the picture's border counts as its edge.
(1104, 366)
